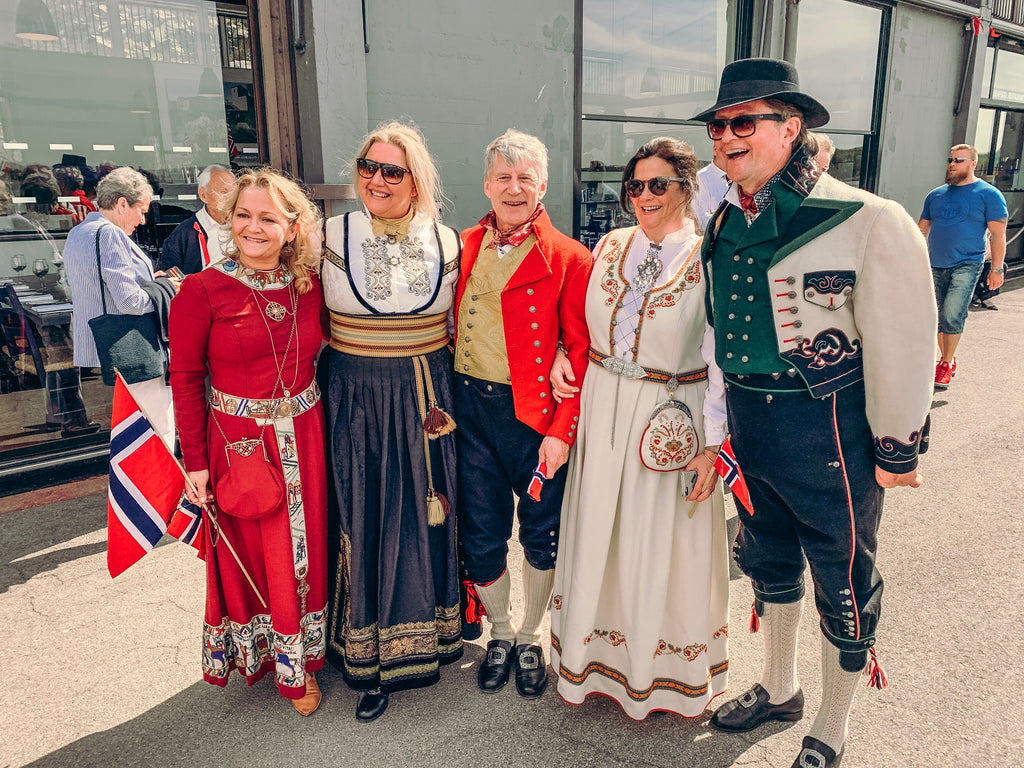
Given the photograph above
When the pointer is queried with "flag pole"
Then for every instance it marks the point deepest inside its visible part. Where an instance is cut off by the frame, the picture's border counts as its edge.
(708, 481)
(188, 480)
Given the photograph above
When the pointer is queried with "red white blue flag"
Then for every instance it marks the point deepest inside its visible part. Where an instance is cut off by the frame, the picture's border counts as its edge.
(145, 484)
(186, 523)
(729, 469)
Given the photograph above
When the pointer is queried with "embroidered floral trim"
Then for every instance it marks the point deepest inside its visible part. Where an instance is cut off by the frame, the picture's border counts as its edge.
(414, 264)
(261, 280)
(369, 649)
(556, 602)
(377, 268)
(721, 632)
(613, 637)
(829, 347)
(691, 652)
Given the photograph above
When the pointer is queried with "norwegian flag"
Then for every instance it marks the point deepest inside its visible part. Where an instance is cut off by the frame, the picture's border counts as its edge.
(537, 481)
(145, 484)
(186, 524)
(729, 469)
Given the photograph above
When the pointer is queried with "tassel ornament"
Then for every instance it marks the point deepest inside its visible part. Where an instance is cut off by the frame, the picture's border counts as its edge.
(875, 674)
(437, 508)
(755, 622)
(438, 422)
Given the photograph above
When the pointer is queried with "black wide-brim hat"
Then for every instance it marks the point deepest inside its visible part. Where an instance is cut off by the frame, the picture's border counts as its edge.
(754, 79)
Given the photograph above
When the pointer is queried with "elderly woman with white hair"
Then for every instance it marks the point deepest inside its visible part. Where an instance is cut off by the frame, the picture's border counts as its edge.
(109, 274)
(388, 278)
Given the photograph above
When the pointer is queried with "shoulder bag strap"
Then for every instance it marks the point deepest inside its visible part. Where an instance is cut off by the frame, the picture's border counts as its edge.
(99, 269)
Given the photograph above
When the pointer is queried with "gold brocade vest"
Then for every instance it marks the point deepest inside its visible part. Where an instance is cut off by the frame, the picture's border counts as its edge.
(480, 349)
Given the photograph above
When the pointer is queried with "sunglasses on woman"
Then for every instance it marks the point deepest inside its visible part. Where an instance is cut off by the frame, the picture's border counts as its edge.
(392, 174)
(658, 185)
(742, 126)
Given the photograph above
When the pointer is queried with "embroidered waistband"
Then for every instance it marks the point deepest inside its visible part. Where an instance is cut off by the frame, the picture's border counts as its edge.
(633, 370)
(269, 408)
(389, 335)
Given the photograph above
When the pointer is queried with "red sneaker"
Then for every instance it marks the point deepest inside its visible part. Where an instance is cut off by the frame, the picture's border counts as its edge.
(952, 368)
(943, 375)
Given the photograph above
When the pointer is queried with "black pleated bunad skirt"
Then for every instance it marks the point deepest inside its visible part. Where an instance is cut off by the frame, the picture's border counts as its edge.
(394, 602)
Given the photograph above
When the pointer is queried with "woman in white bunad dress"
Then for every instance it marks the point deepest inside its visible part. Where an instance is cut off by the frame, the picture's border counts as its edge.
(641, 596)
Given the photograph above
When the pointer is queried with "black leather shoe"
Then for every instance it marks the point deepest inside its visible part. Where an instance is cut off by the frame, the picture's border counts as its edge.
(371, 705)
(531, 671)
(752, 710)
(816, 754)
(493, 672)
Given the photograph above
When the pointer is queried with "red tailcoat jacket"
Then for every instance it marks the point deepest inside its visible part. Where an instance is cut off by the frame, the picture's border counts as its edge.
(543, 302)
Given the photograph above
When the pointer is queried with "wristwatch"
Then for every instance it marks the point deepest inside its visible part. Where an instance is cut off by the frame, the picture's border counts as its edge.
(999, 270)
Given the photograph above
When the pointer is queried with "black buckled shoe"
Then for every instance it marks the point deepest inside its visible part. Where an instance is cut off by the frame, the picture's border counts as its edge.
(753, 709)
(494, 670)
(817, 754)
(531, 671)
(371, 705)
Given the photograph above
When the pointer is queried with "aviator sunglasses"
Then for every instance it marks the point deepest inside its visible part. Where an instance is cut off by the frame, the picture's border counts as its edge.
(742, 126)
(658, 185)
(392, 174)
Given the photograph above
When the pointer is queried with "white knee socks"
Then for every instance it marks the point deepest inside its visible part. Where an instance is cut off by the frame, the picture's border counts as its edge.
(838, 688)
(780, 626)
(497, 600)
(537, 588)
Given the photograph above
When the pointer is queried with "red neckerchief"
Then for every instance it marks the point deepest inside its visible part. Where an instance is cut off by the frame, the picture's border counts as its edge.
(514, 238)
(747, 202)
(202, 244)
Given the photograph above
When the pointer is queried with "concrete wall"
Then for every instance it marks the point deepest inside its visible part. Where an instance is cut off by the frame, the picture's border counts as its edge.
(917, 129)
(464, 72)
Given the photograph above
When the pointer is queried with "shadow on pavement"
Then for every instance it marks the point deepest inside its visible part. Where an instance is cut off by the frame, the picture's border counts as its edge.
(450, 724)
(28, 531)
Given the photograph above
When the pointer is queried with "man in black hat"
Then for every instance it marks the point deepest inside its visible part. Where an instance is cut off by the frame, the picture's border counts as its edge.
(821, 300)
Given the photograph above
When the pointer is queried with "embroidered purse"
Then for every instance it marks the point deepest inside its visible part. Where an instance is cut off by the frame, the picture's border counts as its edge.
(252, 488)
(669, 441)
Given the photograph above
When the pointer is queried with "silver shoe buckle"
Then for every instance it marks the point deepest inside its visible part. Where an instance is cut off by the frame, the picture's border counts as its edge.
(529, 660)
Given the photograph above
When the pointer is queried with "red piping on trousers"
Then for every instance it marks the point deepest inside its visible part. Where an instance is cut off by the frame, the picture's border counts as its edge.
(853, 527)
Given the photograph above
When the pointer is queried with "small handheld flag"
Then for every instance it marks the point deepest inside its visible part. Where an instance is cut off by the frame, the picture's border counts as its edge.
(729, 469)
(537, 482)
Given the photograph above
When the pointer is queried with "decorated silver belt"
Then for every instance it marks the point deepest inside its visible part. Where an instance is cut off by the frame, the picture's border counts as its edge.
(268, 408)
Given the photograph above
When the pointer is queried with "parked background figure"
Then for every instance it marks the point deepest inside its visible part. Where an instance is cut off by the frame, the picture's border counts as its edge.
(956, 218)
(712, 184)
(821, 148)
(127, 281)
(252, 439)
(641, 597)
(198, 241)
(388, 278)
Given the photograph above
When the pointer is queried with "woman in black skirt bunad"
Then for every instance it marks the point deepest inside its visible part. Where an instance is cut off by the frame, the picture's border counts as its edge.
(388, 274)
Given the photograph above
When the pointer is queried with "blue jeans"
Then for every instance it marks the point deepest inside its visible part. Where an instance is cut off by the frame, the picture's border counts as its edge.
(954, 287)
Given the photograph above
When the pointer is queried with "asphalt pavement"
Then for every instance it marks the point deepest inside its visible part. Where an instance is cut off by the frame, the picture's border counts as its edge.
(99, 672)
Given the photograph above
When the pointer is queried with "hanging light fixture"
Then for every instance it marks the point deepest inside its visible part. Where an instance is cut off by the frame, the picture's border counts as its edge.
(650, 83)
(209, 85)
(34, 22)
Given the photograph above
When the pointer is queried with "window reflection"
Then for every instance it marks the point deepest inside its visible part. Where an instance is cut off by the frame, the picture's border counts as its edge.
(837, 57)
(652, 58)
(164, 87)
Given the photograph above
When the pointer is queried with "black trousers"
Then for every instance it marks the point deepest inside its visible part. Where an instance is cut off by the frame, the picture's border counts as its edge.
(497, 456)
(809, 465)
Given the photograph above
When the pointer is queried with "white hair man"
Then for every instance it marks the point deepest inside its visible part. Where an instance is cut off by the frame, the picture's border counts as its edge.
(196, 242)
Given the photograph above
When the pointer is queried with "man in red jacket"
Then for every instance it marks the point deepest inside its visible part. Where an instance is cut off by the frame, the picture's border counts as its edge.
(520, 294)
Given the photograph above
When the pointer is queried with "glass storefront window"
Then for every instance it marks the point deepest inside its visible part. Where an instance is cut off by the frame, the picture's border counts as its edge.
(90, 85)
(652, 58)
(653, 63)
(840, 67)
(1008, 78)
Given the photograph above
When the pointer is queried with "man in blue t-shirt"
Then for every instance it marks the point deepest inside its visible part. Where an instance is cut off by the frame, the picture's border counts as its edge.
(955, 218)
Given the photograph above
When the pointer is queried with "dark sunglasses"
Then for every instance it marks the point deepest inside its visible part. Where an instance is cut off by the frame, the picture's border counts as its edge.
(957, 160)
(742, 126)
(392, 174)
(658, 185)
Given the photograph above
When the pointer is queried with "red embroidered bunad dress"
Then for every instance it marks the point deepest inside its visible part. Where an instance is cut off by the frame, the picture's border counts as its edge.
(219, 327)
